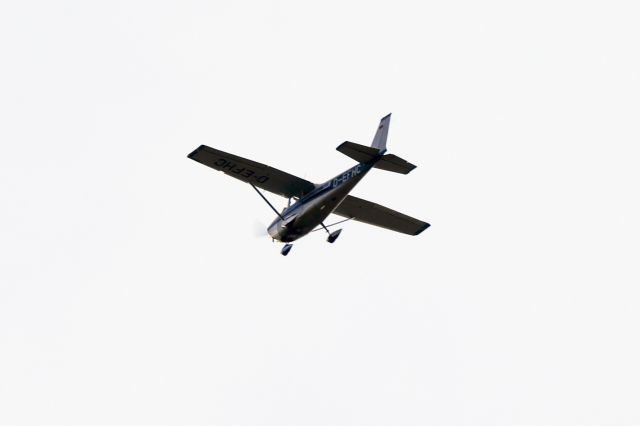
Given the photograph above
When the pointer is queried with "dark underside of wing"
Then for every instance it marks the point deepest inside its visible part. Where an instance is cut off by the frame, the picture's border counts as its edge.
(252, 172)
(375, 214)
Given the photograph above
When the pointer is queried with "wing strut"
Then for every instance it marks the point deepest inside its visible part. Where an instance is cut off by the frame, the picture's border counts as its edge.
(267, 201)
(333, 224)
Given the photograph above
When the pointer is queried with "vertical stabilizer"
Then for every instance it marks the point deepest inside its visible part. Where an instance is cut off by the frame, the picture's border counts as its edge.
(380, 139)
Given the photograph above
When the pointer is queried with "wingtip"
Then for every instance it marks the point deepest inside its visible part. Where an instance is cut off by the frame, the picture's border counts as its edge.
(193, 153)
(341, 145)
(422, 228)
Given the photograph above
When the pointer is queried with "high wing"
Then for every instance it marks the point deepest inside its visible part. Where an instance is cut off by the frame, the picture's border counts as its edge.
(252, 172)
(375, 214)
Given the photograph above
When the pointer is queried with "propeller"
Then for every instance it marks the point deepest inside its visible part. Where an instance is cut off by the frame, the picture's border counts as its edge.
(259, 229)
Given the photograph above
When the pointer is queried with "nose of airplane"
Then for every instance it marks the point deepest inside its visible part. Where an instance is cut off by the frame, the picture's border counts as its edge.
(280, 228)
(273, 230)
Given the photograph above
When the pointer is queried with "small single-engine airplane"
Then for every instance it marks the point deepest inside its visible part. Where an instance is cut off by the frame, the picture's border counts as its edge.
(314, 202)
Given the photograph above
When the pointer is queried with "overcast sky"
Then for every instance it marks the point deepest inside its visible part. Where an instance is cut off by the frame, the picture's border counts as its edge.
(134, 288)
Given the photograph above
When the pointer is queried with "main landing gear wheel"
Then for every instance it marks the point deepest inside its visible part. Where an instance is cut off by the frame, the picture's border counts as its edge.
(334, 236)
(286, 249)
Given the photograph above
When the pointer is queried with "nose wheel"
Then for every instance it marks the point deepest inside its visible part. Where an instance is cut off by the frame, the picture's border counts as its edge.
(286, 249)
(334, 236)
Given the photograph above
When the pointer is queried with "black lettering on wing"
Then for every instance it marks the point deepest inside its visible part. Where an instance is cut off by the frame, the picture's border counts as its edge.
(262, 179)
(220, 162)
(248, 173)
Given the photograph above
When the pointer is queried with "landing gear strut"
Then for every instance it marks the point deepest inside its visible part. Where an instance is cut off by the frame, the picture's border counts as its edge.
(286, 249)
(332, 235)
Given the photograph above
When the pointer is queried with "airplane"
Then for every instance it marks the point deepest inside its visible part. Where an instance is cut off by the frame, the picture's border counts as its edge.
(315, 202)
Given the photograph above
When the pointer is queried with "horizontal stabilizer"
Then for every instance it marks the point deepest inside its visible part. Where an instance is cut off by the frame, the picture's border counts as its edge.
(364, 154)
(393, 163)
(360, 153)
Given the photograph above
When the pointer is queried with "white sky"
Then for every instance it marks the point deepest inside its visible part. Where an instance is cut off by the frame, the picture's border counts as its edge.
(134, 291)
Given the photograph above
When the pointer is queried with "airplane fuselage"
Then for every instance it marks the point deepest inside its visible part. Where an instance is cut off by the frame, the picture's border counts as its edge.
(313, 208)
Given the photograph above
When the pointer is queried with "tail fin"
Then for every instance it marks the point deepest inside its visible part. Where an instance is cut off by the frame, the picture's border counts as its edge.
(380, 139)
